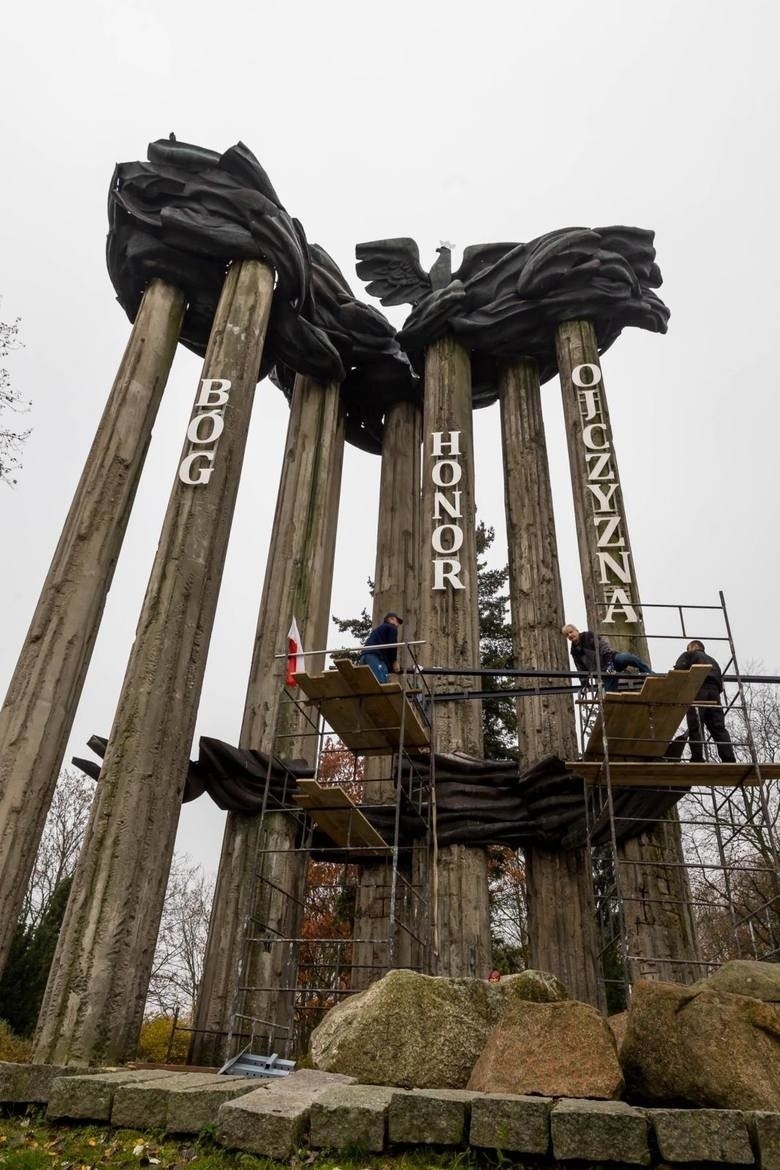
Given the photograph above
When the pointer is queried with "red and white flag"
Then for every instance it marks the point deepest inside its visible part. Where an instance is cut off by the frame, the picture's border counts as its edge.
(295, 662)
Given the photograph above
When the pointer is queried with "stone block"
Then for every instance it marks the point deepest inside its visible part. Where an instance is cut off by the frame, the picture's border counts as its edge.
(351, 1115)
(273, 1121)
(599, 1131)
(765, 1128)
(437, 1117)
(144, 1104)
(191, 1110)
(29, 1084)
(702, 1135)
(510, 1122)
(89, 1097)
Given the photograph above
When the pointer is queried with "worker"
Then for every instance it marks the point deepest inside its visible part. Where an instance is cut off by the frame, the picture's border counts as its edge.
(386, 660)
(584, 653)
(712, 717)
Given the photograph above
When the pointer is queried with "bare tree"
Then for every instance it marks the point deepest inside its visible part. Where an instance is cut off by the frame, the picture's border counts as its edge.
(732, 842)
(61, 841)
(181, 942)
(11, 402)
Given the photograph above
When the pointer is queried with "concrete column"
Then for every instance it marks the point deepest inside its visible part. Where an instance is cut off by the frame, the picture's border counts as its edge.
(449, 620)
(562, 936)
(94, 1000)
(261, 882)
(656, 893)
(41, 703)
(396, 587)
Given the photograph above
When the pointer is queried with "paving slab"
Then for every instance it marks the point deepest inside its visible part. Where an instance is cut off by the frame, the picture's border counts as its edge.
(429, 1116)
(274, 1119)
(599, 1131)
(351, 1116)
(766, 1131)
(511, 1122)
(190, 1110)
(703, 1135)
(29, 1084)
(144, 1104)
(89, 1097)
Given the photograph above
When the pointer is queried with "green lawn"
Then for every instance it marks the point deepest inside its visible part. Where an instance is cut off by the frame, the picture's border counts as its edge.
(29, 1143)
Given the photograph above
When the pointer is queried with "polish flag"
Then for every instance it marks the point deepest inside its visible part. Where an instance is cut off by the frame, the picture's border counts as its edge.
(295, 661)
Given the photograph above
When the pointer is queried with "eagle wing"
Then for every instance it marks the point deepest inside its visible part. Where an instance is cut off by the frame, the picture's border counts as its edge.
(391, 271)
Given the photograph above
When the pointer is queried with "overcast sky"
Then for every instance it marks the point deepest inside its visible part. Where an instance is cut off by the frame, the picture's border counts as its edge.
(470, 123)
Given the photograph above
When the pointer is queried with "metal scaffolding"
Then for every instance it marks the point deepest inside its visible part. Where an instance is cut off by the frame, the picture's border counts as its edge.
(729, 857)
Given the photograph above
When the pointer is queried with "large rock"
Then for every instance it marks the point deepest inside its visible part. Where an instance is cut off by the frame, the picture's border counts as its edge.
(746, 977)
(409, 1030)
(706, 1048)
(561, 1049)
(536, 986)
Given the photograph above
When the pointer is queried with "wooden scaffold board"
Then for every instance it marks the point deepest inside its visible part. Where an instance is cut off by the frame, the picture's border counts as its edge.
(641, 724)
(336, 815)
(674, 774)
(369, 716)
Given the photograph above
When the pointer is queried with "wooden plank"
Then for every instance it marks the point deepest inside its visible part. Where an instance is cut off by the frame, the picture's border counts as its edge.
(642, 723)
(673, 774)
(385, 702)
(365, 713)
(337, 815)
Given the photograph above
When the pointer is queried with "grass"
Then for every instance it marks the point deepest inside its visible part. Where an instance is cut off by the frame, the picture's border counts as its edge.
(29, 1143)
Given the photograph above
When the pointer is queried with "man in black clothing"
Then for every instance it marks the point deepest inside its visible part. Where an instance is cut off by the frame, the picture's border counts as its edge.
(383, 661)
(587, 658)
(712, 717)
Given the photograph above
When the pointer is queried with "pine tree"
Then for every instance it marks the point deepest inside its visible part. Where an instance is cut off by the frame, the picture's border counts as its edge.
(32, 950)
(499, 719)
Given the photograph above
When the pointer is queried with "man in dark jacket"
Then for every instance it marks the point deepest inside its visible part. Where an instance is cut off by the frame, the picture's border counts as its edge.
(383, 661)
(712, 717)
(590, 653)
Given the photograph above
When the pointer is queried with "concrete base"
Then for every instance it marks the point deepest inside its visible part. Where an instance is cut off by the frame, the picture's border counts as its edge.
(274, 1118)
(90, 1096)
(29, 1084)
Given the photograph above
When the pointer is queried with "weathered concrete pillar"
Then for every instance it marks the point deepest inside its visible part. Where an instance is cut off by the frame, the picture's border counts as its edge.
(261, 879)
(562, 935)
(655, 890)
(44, 693)
(396, 587)
(449, 620)
(94, 1000)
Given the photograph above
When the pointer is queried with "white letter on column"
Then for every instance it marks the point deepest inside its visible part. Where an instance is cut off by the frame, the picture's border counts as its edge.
(590, 442)
(452, 444)
(217, 427)
(437, 538)
(620, 602)
(604, 498)
(436, 472)
(450, 574)
(598, 464)
(213, 392)
(441, 501)
(202, 474)
(595, 374)
(608, 563)
(609, 529)
(589, 397)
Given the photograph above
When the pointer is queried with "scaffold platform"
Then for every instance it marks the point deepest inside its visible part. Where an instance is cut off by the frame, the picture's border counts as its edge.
(641, 724)
(675, 774)
(338, 816)
(370, 717)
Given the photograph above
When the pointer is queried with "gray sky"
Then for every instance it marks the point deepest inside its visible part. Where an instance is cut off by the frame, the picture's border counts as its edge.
(498, 121)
